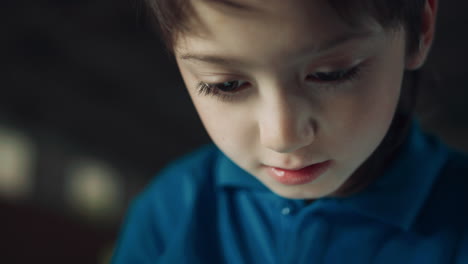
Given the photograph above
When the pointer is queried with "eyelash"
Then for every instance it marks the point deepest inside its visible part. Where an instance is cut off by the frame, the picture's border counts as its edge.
(204, 88)
(346, 76)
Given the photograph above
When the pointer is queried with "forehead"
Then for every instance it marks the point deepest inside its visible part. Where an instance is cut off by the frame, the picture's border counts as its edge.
(259, 28)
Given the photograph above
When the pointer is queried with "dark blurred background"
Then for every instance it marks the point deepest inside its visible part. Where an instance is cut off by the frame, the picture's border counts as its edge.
(91, 107)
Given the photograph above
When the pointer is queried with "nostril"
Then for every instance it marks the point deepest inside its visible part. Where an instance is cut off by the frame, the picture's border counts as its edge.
(307, 131)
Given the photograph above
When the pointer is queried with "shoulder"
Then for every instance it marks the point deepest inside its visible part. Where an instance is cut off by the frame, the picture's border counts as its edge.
(447, 204)
(451, 187)
(195, 161)
(457, 163)
(191, 168)
(174, 195)
(442, 221)
(164, 212)
(182, 180)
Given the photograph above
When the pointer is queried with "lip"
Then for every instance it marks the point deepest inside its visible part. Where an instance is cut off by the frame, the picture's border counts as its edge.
(300, 176)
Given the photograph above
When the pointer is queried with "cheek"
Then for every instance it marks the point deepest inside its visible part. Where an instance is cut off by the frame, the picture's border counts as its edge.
(382, 94)
(361, 118)
(230, 127)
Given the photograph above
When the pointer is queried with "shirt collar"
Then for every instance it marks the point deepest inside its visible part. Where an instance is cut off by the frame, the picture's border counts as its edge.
(228, 174)
(394, 198)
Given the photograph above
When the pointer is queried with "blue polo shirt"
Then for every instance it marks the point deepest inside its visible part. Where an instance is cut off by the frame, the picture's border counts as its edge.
(205, 209)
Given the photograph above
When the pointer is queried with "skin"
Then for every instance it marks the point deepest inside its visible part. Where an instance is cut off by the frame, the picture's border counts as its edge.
(282, 115)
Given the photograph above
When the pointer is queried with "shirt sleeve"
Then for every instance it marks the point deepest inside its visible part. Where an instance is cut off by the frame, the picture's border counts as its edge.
(462, 252)
(162, 221)
(139, 241)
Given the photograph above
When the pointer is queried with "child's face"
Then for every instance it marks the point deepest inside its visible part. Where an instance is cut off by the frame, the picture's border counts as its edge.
(300, 87)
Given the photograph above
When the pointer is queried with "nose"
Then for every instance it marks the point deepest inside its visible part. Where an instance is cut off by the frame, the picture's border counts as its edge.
(286, 124)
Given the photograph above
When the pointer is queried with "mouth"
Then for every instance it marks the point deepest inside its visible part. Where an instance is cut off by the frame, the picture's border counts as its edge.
(298, 176)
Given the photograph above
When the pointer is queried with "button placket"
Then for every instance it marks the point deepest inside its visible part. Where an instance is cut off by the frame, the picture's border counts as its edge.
(286, 210)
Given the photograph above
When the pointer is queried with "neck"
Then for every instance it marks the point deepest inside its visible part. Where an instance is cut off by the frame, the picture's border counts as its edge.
(379, 160)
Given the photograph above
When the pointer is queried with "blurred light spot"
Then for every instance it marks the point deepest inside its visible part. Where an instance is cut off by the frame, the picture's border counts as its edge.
(17, 157)
(94, 189)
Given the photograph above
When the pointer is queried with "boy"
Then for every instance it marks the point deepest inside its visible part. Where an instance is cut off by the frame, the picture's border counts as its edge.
(317, 157)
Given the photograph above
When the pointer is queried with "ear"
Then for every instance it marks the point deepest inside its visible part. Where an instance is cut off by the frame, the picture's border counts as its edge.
(417, 59)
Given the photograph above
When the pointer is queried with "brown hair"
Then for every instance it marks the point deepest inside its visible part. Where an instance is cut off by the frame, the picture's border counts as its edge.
(171, 16)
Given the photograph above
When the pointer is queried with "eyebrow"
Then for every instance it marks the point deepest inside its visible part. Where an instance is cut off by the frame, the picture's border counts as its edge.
(318, 49)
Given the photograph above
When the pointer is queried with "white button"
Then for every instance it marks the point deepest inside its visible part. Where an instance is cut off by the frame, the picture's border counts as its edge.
(286, 211)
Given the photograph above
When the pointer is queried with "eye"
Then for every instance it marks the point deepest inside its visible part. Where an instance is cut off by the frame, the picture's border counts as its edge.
(334, 76)
(229, 86)
(224, 90)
